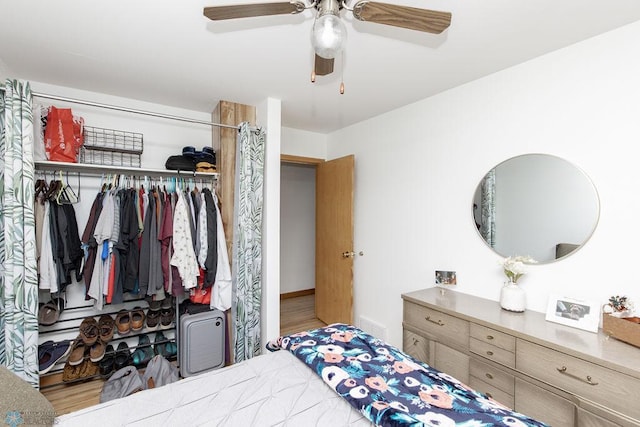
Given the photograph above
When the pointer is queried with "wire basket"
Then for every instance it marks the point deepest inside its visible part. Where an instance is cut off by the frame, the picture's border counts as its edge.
(111, 140)
(108, 158)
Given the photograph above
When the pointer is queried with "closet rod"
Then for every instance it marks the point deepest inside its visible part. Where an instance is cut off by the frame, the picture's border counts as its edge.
(128, 110)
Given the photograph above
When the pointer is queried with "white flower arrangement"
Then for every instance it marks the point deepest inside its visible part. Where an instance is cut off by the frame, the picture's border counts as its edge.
(514, 267)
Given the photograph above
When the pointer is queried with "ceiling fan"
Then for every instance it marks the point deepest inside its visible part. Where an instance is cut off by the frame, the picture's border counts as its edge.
(328, 35)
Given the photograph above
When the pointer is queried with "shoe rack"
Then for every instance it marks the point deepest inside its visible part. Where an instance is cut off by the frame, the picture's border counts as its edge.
(67, 327)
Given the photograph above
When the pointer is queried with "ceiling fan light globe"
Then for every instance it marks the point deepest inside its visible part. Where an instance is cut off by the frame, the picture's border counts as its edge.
(328, 36)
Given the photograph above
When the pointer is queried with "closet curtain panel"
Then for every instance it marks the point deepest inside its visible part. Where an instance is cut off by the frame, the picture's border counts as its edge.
(18, 275)
(247, 242)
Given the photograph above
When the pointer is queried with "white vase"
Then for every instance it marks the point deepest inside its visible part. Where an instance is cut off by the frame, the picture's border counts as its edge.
(513, 298)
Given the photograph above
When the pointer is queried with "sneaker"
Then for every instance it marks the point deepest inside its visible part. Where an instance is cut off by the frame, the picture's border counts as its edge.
(153, 319)
(50, 353)
(167, 316)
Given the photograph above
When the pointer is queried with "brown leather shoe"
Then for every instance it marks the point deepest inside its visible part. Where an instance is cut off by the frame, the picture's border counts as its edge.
(137, 319)
(107, 325)
(89, 331)
(123, 322)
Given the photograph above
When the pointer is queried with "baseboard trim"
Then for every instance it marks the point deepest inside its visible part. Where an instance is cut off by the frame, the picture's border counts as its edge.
(295, 294)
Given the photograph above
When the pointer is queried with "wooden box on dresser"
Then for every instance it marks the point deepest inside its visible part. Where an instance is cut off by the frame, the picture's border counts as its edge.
(551, 372)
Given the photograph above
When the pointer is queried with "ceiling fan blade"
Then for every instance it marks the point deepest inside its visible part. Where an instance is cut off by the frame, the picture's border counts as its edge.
(323, 66)
(429, 21)
(219, 13)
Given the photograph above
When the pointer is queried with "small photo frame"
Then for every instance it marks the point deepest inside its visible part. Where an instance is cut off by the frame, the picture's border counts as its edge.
(446, 278)
(573, 312)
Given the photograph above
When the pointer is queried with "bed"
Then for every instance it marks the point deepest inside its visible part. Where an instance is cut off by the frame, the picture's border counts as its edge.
(332, 376)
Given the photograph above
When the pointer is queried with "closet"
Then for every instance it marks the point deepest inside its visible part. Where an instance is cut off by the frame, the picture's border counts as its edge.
(81, 184)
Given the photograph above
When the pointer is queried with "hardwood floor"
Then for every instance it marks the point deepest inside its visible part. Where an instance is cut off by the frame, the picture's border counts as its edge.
(296, 314)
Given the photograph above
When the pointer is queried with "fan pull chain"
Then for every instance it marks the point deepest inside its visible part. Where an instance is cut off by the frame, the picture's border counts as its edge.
(342, 73)
(313, 75)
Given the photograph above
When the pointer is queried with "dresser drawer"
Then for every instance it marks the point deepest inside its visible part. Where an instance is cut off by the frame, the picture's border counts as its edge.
(449, 329)
(493, 376)
(416, 346)
(493, 392)
(597, 383)
(491, 352)
(493, 337)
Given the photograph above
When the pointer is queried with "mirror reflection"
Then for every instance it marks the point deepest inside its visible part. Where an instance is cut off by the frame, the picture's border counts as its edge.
(537, 205)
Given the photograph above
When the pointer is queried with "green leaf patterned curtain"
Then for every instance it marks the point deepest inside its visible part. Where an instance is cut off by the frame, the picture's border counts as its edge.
(247, 242)
(18, 276)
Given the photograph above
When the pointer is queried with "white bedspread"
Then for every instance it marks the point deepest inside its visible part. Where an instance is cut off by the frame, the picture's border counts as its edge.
(274, 389)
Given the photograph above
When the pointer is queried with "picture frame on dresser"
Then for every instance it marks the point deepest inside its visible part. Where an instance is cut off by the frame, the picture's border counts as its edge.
(573, 312)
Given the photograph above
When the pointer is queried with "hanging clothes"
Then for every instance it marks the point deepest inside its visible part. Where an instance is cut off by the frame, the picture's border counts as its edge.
(89, 243)
(184, 257)
(211, 261)
(222, 289)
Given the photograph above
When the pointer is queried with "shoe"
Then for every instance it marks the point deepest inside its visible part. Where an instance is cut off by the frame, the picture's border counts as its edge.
(71, 372)
(155, 306)
(108, 362)
(160, 344)
(153, 319)
(97, 350)
(107, 326)
(166, 304)
(50, 353)
(137, 319)
(49, 313)
(89, 331)
(123, 322)
(77, 352)
(123, 356)
(143, 353)
(167, 316)
(88, 369)
(171, 349)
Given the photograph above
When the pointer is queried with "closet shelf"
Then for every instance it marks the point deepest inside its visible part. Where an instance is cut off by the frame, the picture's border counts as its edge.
(98, 170)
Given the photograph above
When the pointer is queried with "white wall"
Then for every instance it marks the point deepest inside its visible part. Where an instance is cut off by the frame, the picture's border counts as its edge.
(298, 227)
(296, 142)
(417, 168)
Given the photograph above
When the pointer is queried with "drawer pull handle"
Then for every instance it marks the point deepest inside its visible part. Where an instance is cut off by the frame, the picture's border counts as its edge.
(488, 375)
(489, 337)
(489, 353)
(588, 380)
(439, 322)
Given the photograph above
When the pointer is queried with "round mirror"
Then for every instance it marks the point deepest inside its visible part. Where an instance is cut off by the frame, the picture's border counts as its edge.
(537, 205)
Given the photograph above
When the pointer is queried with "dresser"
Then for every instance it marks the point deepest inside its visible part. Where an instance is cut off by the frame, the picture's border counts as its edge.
(554, 373)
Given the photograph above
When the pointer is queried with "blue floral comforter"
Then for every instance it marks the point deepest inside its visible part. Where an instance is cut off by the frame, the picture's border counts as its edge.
(388, 386)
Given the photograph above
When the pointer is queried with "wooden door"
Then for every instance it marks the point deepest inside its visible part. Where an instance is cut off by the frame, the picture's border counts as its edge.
(334, 240)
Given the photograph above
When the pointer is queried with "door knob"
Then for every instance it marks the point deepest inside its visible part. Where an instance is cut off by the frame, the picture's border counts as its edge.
(351, 254)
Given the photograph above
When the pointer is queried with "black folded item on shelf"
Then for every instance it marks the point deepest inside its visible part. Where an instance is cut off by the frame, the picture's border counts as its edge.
(181, 163)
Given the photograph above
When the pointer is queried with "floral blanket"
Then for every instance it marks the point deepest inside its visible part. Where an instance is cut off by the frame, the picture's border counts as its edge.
(388, 386)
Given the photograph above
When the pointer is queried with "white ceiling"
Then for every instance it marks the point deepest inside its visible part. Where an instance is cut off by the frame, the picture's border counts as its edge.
(167, 52)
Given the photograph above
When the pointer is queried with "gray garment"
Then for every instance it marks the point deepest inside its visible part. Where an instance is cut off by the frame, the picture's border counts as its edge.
(115, 232)
(145, 249)
(156, 280)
